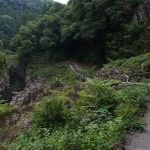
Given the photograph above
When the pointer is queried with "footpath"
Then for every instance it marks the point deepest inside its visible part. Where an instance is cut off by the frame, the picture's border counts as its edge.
(140, 141)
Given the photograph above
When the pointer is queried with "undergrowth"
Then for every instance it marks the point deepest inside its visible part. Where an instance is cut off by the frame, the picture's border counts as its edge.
(137, 68)
(4, 108)
(94, 121)
(51, 72)
(138, 63)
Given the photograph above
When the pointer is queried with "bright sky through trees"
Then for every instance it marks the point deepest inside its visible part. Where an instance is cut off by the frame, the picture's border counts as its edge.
(62, 1)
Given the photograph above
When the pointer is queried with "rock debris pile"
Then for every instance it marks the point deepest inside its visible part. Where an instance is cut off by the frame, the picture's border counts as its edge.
(31, 92)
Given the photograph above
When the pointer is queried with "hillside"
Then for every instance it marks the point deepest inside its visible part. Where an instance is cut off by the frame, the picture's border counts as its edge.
(83, 31)
(11, 16)
(76, 77)
(64, 111)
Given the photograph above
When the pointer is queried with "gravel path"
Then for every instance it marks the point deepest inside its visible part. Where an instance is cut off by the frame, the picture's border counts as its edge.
(140, 141)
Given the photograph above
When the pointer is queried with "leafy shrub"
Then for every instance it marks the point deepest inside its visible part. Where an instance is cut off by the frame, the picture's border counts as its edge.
(96, 116)
(129, 114)
(93, 137)
(146, 64)
(35, 139)
(103, 93)
(135, 94)
(51, 113)
(3, 107)
(93, 124)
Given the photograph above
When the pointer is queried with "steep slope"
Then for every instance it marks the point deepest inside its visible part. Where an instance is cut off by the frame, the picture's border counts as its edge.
(11, 16)
(57, 105)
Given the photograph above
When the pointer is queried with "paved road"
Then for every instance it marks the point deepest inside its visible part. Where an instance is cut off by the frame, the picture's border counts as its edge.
(140, 141)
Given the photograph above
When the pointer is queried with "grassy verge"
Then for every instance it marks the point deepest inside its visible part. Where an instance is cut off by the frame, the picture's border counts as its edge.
(136, 64)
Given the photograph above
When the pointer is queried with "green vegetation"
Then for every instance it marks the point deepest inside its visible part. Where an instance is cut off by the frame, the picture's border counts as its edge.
(51, 113)
(134, 66)
(132, 62)
(96, 122)
(70, 115)
(4, 108)
(14, 13)
(89, 31)
(52, 72)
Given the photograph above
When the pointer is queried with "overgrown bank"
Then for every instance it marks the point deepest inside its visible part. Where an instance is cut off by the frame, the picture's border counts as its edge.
(76, 115)
(57, 110)
(91, 118)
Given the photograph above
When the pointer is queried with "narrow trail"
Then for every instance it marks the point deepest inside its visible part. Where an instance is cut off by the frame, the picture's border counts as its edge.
(140, 141)
(78, 70)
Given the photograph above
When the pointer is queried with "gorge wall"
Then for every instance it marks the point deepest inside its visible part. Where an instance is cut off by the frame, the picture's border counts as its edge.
(12, 79)
(142, 13)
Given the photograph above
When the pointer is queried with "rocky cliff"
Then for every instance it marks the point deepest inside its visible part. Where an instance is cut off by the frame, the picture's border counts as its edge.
(142, 12)
(5, 86)
(12, 79)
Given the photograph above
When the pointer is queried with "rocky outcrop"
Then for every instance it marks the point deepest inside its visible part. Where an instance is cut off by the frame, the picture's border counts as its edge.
(12, 79)
(17, 78)
(5, 86)
(30, 92)
(33, 91)
(114, 72)
(142, 12)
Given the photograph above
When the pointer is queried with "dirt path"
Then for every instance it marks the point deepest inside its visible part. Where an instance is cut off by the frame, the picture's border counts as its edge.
(140, 141)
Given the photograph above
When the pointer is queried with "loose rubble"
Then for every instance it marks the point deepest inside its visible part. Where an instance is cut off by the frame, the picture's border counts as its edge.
(30, 92)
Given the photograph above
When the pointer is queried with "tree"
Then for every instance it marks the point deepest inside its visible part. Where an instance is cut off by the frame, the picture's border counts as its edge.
(25, 51)
(14, 43)
(90, 31)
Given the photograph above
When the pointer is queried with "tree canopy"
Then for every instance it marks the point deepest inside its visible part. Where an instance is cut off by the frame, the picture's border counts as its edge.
(87, 30)
(14, 13)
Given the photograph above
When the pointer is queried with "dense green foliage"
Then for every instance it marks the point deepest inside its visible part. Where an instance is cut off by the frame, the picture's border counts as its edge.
(3, 108)
(12, 16)
(90, 31)
(94, 115)
(94, 121)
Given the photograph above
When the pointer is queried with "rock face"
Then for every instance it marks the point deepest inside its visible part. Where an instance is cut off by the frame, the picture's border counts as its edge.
(17, 78)
(142, 12)
(5, 86)
(12, 79)
(114, 72)
(30, 93)
(17, 87)
(111, 73)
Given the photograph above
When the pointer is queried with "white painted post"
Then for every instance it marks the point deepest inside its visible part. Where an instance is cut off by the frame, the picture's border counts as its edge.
(127, 78)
